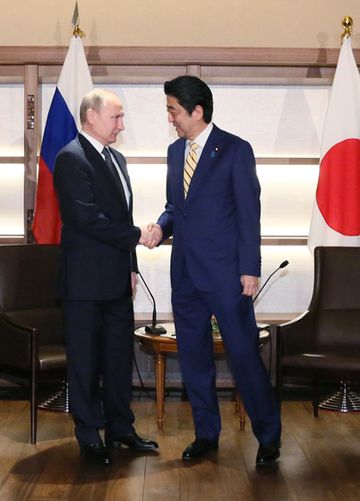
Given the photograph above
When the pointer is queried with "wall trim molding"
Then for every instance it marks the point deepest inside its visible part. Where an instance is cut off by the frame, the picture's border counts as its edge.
(148, 56)
(151, 160)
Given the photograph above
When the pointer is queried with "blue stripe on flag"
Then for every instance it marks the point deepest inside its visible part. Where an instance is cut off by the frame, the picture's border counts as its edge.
(60, 129)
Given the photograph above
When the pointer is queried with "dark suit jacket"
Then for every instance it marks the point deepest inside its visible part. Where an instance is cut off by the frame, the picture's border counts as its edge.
(217, 228)
(98, 236)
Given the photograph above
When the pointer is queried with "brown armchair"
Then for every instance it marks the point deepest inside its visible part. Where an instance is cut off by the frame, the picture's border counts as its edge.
(324, 343)
(30, 320)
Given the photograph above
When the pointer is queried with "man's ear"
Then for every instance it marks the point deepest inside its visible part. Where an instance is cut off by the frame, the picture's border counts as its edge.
(90, 115)
(199, 112)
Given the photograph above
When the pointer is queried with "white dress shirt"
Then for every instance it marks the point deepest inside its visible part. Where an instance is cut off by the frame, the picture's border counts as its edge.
(99, 147)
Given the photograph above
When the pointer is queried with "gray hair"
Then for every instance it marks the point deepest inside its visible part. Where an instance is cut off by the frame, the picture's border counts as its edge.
(94, 100)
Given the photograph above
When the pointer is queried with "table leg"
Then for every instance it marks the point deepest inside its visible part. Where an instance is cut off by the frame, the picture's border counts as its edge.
(240, 409)
(160, 363)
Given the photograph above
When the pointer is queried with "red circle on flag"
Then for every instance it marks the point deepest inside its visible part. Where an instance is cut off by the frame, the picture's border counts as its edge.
(338, 191)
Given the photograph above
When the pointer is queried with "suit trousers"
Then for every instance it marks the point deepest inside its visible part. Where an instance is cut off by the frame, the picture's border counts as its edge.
(99, 349)
(234, 312)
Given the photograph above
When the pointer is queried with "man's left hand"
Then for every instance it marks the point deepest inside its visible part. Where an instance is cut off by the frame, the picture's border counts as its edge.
(134, 280)
(250, 284)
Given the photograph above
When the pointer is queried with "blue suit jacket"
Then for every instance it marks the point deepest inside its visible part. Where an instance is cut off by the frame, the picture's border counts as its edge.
(98, 236)
(216, 229)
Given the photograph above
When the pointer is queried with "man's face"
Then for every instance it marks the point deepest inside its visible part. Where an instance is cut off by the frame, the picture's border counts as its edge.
(186, 125)
(106, 123)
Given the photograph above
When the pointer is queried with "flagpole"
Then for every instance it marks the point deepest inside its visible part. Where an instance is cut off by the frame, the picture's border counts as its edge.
(77, 31)
(347, 24)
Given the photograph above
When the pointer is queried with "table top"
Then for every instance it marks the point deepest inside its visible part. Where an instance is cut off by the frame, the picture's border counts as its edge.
(167, 342)
(268, 318)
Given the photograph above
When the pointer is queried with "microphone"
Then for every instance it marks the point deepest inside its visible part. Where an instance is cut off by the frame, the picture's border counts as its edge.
(153, 329)
(282, 265)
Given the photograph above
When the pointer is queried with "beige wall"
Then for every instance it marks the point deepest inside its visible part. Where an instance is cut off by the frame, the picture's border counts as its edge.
(212, 23)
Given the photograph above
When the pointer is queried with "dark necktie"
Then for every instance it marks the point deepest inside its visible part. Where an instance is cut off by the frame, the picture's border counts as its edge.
(110, 163)
(114, 172)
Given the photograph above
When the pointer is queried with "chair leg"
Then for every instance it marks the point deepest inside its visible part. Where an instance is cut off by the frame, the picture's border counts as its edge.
(34, 386)
(33, 408)
(315, 401)
(279, 384)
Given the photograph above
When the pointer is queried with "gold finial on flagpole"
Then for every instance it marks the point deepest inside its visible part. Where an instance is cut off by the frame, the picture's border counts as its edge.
(347, 24)
(77, 32)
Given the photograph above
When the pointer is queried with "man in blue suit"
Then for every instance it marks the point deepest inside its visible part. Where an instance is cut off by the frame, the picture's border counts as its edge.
(97, 274)
(213, 213)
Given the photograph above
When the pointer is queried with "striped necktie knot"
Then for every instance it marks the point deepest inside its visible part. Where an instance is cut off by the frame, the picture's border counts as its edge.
(190, 166)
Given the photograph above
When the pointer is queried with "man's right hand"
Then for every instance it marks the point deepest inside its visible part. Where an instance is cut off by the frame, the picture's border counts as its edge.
(151, 236)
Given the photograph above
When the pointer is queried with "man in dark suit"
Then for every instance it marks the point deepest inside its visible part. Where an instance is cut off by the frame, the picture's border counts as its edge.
(97, 274)
(213, 213)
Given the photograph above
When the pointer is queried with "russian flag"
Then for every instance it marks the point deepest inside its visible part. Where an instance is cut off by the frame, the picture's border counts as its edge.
(336, 212)
(61, 127)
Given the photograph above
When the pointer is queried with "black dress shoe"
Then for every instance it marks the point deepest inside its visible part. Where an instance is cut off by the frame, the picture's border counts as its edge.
(198, 448)
(267, 454)
(96, 453)
(133, 441)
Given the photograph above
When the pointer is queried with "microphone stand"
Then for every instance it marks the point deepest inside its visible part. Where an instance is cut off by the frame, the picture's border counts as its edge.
(282, 265)
(153, 328)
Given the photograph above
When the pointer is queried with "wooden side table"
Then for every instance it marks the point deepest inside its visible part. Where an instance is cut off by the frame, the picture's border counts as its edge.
(159, 346)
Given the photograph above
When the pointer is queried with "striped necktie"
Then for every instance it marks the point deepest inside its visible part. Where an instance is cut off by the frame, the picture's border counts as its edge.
(190, 166)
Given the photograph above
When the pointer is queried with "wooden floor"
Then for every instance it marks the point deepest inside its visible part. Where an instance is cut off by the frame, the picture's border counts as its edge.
(320, 460)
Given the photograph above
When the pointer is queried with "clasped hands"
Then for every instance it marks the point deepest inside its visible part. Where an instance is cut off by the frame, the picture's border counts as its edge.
(151, 235)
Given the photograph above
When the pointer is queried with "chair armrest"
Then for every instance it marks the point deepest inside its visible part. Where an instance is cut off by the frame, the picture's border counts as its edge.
(17, 342)
(296, 336)
(294, 320)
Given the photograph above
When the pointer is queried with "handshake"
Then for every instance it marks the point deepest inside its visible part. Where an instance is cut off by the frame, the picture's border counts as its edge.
(151, 235)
